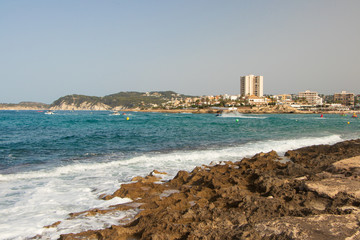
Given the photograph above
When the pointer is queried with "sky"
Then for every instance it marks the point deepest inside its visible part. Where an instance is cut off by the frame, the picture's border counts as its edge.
(49, 49)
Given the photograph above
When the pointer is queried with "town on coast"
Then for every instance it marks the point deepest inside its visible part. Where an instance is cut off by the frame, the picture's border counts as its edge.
(250, 100)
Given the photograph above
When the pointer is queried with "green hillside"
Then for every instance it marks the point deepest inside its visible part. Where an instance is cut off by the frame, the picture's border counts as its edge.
(32, 105)
(124, 99)
(76, 100)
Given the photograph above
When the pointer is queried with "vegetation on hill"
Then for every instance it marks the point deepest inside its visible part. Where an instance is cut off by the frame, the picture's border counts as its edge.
(76, 100)
(30, 105)
(124, 99)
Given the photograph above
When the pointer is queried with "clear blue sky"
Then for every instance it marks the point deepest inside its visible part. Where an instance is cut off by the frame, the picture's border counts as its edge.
(49, 49)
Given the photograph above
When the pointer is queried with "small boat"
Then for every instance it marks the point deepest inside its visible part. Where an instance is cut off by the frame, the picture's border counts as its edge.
(49, 112)
(115, 113)
(229, 114)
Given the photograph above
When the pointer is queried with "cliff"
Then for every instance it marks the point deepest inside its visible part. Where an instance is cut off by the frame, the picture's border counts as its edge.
(81, 106)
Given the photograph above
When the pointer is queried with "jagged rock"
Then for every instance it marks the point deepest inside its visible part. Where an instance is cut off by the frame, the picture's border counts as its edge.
(314, 196)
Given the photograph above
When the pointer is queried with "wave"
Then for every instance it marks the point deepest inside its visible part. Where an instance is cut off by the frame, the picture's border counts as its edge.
(239, 115)
(29, 196)
(192, 156)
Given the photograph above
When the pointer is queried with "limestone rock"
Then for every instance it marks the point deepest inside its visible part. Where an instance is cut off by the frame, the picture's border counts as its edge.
(313, 196)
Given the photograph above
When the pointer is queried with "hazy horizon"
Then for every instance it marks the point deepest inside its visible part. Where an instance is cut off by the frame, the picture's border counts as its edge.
(50, 49)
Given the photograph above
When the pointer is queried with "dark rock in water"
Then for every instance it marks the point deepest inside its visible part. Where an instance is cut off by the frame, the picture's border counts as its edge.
(313, 196)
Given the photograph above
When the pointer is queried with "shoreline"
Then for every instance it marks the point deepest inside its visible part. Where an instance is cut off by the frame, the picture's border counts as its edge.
(265, 196)
(197, 111)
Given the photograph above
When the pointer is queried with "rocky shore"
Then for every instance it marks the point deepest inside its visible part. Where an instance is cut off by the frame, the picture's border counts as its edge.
(278, 109)
(311, 193)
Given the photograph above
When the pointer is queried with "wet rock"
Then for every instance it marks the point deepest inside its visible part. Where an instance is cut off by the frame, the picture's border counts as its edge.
(313, 196)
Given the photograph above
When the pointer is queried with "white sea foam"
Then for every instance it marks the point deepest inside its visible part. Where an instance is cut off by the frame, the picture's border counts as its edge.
(31, 200)
(240, 115)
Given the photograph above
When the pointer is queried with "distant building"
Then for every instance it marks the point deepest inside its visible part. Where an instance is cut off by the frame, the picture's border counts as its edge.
(230, 97)
(251, 85)
(344, 98)
(312, 98)
(283, 98)
(255, 100)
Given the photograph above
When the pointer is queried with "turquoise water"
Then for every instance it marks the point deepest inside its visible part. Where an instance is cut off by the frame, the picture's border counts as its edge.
(31, 140)
(51, 165)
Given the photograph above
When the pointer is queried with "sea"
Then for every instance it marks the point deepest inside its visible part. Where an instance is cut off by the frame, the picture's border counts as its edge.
(54, 165)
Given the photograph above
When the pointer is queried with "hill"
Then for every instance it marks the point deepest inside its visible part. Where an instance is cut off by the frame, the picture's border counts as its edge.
(24, 106)
(121, 100)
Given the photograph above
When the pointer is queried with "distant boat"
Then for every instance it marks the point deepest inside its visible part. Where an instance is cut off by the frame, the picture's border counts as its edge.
(229, 114)
(115, 113)
(49, 112)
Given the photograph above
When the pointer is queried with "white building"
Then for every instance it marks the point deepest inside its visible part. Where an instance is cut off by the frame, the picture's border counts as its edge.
(311, 98)
(231, 97)
(251, 85)
(254, 100)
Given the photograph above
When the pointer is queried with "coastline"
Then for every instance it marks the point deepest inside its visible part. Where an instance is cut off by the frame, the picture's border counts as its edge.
(244, 110)
(311, 193)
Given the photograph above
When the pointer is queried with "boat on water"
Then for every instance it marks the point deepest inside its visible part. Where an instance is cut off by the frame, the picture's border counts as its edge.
(229, 114)
(115, 113)
(49, 112)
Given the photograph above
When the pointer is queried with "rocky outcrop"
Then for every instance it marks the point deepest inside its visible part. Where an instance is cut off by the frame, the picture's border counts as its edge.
(81, 106)
(271, 109)
(314, 195)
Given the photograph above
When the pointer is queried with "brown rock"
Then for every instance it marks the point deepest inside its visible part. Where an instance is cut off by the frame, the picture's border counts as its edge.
(320, 227)
(332, 186)
(313, 196)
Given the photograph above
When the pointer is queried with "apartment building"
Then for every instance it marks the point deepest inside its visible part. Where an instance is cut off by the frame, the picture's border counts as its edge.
(344, 98)
(251, 85)
(283, 98)
(312, 98)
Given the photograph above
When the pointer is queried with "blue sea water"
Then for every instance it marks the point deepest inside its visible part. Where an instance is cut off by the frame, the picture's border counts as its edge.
(52, 165)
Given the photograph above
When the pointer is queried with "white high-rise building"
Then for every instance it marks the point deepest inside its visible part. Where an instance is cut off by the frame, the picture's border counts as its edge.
(251, 85)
